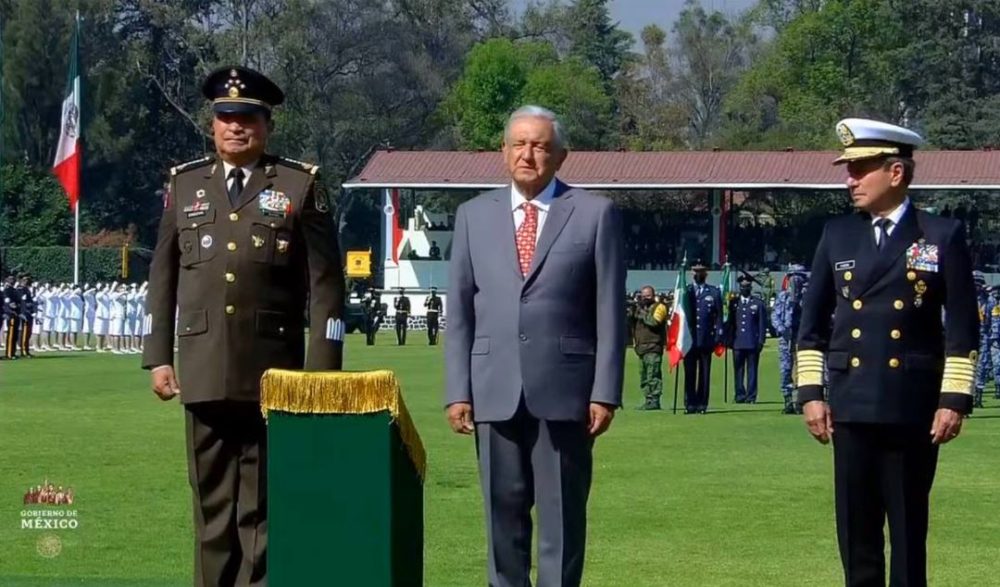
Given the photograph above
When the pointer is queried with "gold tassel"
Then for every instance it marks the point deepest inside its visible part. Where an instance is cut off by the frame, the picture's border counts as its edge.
(342, 392)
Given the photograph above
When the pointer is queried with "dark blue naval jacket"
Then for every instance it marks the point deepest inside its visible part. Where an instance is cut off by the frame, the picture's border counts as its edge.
(747, 323)
(704, 316)
(874, 320)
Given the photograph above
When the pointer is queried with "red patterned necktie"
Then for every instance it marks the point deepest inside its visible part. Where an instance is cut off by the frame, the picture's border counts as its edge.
(525, 237)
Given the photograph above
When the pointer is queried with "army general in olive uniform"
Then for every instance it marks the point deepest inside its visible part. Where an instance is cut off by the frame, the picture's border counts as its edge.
(245, 239)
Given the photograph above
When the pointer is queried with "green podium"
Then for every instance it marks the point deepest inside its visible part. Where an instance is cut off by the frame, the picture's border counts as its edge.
(345, 481)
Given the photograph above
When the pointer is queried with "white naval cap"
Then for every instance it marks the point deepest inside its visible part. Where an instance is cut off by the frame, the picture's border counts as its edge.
(866, 139)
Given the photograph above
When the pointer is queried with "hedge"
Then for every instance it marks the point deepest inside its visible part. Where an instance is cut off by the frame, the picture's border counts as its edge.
(55, 264)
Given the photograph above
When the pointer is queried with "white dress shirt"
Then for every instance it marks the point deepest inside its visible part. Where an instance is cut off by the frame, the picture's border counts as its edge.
(895, 216)
(228, 167)
(542, 201)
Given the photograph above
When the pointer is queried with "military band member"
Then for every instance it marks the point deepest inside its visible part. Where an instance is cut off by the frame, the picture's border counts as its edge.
(747, 333)
(900, 380)
(433, 305)
(244, 239)
(402, 305)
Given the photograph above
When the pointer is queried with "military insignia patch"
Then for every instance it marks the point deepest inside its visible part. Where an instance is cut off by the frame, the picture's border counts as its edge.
(274, 203)
(199, 194)
(282, 245)
(843, 265)
(197, 209)
(258, 241)
(206, 241)
(845, 135)
(922, 257)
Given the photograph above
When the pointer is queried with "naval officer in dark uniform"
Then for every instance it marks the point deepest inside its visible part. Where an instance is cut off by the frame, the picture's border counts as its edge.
(704, 311)
(900, 377)
(747, 332)
(245, 238)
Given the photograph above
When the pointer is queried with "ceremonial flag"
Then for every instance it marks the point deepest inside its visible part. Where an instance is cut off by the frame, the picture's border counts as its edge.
(679, 336)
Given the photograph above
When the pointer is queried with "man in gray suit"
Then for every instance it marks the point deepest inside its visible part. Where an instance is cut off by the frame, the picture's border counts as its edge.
(535, 350)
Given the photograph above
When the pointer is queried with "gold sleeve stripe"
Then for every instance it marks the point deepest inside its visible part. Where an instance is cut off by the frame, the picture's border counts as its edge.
(809, 367)
(959, 373)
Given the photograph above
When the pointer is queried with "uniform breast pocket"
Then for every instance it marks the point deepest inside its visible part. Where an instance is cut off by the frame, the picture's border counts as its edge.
(271, 245)
(197, 244)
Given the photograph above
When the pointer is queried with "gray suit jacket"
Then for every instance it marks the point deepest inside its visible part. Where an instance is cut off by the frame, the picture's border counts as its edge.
(557, 334)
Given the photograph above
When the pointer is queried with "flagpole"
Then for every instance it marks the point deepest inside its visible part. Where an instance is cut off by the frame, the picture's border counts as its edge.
(76, 209)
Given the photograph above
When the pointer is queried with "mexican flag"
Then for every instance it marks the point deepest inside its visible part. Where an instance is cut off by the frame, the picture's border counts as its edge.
(679, 335)
(67, 163)
(727, 291)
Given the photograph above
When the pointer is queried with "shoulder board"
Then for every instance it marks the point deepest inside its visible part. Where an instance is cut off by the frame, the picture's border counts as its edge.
(190, 165)
(300, 165)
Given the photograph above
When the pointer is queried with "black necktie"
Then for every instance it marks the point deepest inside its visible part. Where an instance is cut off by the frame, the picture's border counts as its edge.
(236, 174)
(883, 225)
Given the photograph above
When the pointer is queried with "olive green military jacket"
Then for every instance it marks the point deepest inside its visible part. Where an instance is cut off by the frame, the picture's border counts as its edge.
(239, 276)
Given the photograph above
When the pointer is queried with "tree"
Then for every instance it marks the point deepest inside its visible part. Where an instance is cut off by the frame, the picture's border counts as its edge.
(712, 53)
(490, 88)
(34, 210)
(501, 76)
(650, 118)
(823, 66)
(596, 40)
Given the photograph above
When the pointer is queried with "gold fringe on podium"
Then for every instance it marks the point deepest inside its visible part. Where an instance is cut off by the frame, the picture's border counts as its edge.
(342, 392)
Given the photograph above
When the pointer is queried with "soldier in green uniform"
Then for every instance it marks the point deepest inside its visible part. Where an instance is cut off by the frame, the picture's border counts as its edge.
(650, 336)
(245, 238)
(402, 305)
(433, 305)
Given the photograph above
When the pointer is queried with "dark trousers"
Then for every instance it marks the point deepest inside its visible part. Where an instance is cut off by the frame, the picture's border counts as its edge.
(697, 375)
(26, 328)
(13, 336)
(227, 469)
(432, 328)
(745, 363)
(883, 471)
(401, 328)
(371, 329)
(525, 463)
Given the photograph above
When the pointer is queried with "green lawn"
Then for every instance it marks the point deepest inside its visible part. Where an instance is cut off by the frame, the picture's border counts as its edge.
(741, 497)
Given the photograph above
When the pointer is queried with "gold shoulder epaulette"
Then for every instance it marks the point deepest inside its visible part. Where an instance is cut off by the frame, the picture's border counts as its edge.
(189, 165)
(300, 165)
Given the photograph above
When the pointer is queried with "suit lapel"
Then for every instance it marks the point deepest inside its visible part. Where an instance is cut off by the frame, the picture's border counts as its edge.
(904, 235)
(504, 230)
(559, 213)
(261, 179)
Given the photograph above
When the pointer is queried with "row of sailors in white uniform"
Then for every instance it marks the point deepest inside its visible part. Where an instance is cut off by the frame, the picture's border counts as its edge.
(67, 316)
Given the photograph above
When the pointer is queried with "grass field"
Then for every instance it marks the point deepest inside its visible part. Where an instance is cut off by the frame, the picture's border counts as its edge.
(740, 497)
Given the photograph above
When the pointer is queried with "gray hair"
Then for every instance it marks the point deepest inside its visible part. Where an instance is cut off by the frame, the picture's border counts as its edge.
(532, 111)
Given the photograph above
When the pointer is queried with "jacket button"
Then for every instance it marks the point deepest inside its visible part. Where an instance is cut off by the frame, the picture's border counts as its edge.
(898, 304)
(896, 334)
(230, 310)
(231, 246)
(234, 216)
(856, 333)
(855, 362)
(857, 305)
(230, 277)
(894, 362)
